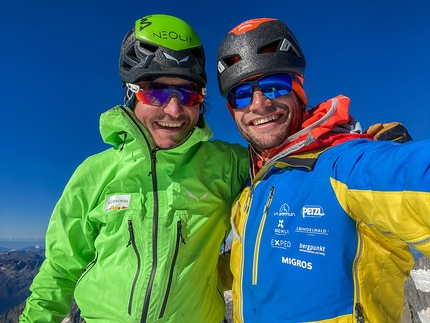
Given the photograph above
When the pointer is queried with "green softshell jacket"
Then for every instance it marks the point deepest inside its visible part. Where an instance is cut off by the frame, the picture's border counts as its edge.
(136, 234)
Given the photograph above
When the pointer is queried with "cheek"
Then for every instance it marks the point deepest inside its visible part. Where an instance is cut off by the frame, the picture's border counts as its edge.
(144, 112)
(238, 116)
(194, 113)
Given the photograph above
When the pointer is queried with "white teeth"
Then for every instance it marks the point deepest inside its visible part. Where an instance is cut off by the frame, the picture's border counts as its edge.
(170, 125)
(264, 120)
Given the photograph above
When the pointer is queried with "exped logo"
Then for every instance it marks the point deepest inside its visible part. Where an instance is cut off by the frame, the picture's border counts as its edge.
(312, 211)
(279, 243)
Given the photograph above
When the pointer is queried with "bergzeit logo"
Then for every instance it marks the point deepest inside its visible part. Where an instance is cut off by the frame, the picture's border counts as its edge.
(117, 202)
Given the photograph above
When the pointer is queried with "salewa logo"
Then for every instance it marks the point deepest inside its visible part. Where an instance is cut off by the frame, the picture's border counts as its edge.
(117, 202)
(195, 197)
(175, 59)
(284, 210)
(312, 211)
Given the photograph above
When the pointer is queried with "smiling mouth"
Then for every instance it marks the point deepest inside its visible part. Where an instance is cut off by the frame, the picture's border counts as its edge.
(265, 120)
(169, 124)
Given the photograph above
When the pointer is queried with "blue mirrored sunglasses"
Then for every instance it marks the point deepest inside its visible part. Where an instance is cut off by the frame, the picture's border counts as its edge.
(272, 86)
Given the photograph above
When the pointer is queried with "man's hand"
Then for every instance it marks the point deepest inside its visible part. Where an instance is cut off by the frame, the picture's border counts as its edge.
(393, 131)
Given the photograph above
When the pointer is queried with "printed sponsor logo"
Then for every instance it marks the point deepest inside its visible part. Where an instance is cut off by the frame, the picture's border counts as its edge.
(164, 34)
(297, 263)
(175, 59)
(312, 231)
(318, 250)
(284, 210)
(117, 202)
(281, 244)
(195, 197)
(312, 211)
(280, 231)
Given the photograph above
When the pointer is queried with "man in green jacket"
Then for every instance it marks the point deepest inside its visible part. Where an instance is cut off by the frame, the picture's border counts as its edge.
(136, 234)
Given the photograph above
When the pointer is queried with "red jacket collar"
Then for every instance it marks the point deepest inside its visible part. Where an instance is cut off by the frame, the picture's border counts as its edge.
(327, 124)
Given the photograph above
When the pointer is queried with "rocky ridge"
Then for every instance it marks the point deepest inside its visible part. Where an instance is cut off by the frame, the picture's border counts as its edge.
(17, 269)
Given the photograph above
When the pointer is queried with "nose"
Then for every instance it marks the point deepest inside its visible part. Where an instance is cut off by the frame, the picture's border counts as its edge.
(259, 100)
(173, 107)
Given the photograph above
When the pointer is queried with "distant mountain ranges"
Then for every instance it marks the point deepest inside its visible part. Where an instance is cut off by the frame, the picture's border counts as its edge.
(18, 268)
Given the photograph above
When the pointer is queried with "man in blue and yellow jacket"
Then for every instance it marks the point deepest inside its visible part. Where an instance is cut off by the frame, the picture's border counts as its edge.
(323, 232)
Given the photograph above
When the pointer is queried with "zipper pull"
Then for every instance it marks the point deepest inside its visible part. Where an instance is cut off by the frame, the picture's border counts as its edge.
(359, 313)
(130, 229)
(180, 231)
(153, 160)
(248, 199)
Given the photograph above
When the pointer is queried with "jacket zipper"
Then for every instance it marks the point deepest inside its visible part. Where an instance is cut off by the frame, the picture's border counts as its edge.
(358, 307)
(147, 298)
(179, 239)
(87, 269)
(132, 242)
(259, 234)
(246, 209)
(153, 175)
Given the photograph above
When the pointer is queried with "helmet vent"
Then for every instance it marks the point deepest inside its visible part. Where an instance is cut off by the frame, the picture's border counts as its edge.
(279, 45)
(231, 60)
(197, 52)
(147, 49)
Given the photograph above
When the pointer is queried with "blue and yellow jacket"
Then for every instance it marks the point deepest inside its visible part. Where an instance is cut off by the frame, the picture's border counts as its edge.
(323, 235)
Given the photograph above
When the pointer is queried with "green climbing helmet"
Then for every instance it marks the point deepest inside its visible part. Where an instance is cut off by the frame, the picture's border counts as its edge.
(161, 45)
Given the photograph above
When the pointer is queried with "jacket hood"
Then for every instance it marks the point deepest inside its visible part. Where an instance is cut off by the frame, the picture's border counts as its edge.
(119, 126)
(327, 124)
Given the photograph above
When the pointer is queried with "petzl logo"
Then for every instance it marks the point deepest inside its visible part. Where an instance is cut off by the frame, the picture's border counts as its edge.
(175, 59)
(284, 210)
(312, 211)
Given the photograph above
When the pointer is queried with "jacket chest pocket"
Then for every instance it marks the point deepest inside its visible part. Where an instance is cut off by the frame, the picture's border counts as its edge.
(115, 210)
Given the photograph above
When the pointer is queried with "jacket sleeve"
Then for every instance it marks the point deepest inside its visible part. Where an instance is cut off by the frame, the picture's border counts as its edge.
(240, 177)
(69, 248)
(387, 185)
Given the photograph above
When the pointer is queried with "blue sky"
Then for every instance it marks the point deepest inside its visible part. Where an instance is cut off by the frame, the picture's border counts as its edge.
(59, 73)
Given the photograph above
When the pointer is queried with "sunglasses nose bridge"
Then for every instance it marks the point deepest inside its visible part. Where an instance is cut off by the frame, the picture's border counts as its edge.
(173, 106)
(259, 99)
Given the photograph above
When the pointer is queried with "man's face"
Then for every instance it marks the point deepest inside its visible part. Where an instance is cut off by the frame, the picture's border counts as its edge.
(170, 123)
(266, 123)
